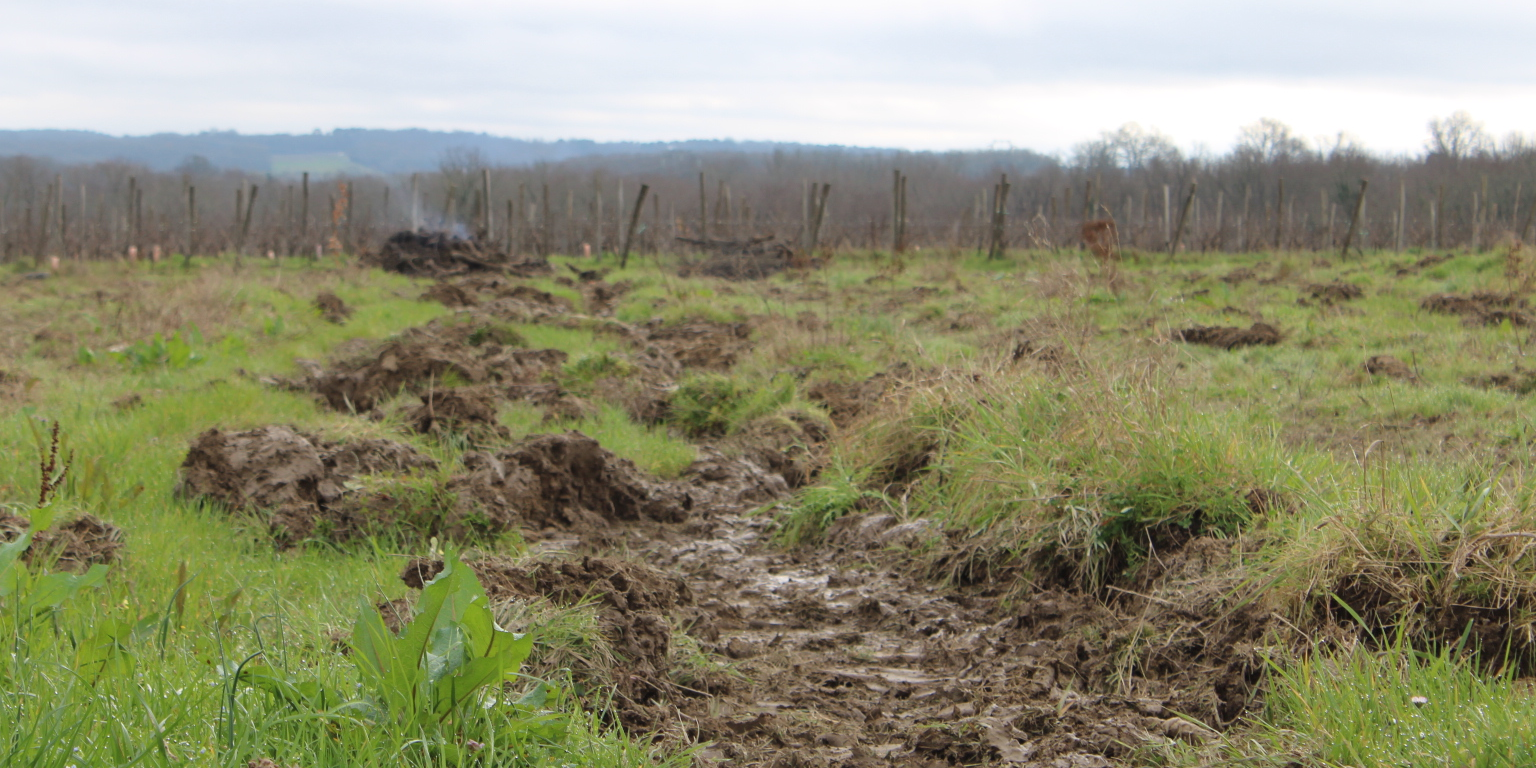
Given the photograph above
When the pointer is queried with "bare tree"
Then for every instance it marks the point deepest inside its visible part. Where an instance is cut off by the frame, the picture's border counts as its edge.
(1270, 142)
(1458, 137)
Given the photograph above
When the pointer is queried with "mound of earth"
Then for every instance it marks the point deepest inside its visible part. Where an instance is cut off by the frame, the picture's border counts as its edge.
(430, 254)
(633, 602)
(1335, 291)
(73, 546)
(1391, 367)
(449, 295)
(468, 411)
(701, 344)
(427, 357)
(1480, 308)
(332, 308)
(297, 481)
(1424, 263)
(1227, 337)
(564, 481)
(847, 401)
(1517, 381)
(751, 259)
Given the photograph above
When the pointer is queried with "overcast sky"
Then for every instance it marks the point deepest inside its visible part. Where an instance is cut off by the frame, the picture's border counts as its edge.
(921, 75)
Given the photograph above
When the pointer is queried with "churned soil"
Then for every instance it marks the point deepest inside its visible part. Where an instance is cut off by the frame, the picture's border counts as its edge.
(1227, 337)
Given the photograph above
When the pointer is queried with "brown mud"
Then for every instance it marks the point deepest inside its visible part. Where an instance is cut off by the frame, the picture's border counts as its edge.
(1391, 367)
(1480, 308)
(73, 546)
(426, 358)
(1227, 337)
(751, 259)
(1517, 381)
(436, 254)
(332, 308)
(466, 411)
(298, 483)
(1329, 293)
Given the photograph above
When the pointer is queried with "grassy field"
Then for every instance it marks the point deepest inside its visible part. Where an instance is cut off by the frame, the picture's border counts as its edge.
(1041, 412)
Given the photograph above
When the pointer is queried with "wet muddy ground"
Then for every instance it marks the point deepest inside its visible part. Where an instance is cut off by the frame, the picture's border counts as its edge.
(844, 654)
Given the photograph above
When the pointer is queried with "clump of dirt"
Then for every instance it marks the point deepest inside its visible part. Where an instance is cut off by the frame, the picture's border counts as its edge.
(127, 402)
(1424, 263)
(601, 297)
(73, 546)
(633, 601)
(1239, 275)
(1226, 337)
(449, 295)
(701, 343)
(298, 482)
(1051, 355)
(1480, 308)
(566, 482)
(751, 259)
(427, 357)
(332, 308)
(847, 401)
(787, 444)
(1391, 367)
(468, 411)
(644, 391)
(431, 254)
(1334, 292)
(1518, 381)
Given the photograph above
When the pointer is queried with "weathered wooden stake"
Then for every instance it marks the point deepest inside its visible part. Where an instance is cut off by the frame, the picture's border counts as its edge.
(1178, 234)
(1354, 221)
(634, 219)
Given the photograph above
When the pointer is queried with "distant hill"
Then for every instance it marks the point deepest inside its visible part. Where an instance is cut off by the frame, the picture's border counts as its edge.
(351, 150)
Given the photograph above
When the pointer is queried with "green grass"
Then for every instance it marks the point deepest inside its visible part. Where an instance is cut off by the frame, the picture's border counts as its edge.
(1390, 505)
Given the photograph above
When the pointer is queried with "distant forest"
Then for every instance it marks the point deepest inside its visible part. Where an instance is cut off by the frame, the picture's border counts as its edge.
(1272, 190)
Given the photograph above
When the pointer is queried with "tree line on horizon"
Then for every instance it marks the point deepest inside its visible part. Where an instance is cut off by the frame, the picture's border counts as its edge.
(1274, 190)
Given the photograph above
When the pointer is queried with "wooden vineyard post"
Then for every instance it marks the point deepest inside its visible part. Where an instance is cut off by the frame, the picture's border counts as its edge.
(304, 213)
(485, 204)
(634, 218)
(1402, 213)
(1525, 229)
(186, 259)
(818, 213)
(703, 209)
(245, 226)
(1178, 233)
(1354, 220)
(999, 219)
(898, 211)
(1279, 212)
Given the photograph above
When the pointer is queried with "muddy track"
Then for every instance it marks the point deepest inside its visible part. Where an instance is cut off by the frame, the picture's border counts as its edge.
(846, 654)
(840, 657)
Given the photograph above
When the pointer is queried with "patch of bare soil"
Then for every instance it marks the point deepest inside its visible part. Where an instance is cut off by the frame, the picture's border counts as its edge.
(847, 401)
(1329, 293)
(566, 482)
(427, 357)
(1391, 367)
(645, 391)
(449, 295)
(431, 254)
(1423, 264)
(466, 411)
(1518, 381)
(842, 661)
(701, 344)
(601, 297)
(1480, 308)
(1226, 337)
(297, 482)
(332, 308)
(1239, 275)
(751, 259)
(73, 546)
